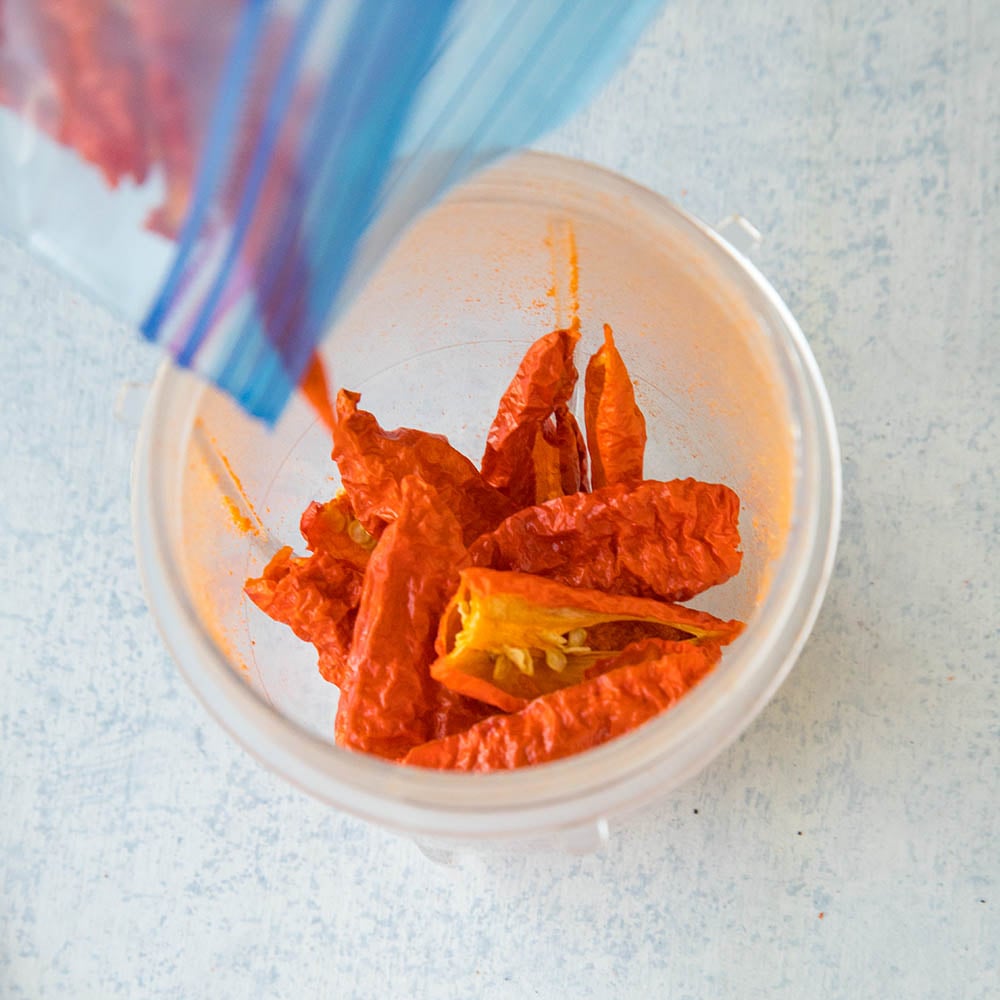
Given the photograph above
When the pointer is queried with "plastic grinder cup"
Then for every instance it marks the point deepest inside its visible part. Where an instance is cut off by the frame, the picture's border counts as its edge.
(731, 394)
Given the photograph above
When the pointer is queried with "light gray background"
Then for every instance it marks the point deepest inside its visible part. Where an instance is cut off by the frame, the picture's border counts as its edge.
(142, 854)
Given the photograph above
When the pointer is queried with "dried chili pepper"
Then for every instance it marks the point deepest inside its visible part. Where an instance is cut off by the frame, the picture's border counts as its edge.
(664, 540)
(645, 680)
(616, 428)
(373, 462)
(563, 619)
(506, 638)
(533, 448)
(389, 701)
(317, 596)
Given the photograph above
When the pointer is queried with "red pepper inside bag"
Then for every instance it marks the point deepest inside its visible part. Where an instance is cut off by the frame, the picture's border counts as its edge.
(645, 680)
(373, 462)
(389, 701)
(669, 540)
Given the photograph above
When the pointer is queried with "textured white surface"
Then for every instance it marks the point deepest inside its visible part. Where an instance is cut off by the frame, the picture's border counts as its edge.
(142, 854)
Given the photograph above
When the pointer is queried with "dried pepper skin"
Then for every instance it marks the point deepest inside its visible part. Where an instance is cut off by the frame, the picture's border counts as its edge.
(532, 445)
(669, 540)
(616, 428)
(390, 703)
(564, 433)
(507, 638)
(373, 462)
(332, 528)
(645, 680)
(317, 597)
(455, 713)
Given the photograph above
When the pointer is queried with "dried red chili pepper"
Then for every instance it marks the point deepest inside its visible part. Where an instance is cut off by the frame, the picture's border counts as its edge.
(616, 428)
(648, 678)
(664, 540)
(506, 638)
(317, 596)
(373, 462)
(533, 447)
(389, 702)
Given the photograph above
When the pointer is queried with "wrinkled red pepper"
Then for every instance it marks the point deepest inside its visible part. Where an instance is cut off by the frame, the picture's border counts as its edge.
(534, 448)
(333, 529)
(664, 540)
(645, 680)
(563, 619)
(389, 703)
(317, 596)
(373, 462)
(616, 428)
(506, 638)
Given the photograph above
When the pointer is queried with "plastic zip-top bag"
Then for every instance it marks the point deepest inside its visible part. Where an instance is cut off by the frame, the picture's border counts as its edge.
(228, 175)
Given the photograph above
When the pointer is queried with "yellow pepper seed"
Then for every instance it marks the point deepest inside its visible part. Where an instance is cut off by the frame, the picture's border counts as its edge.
(359, 535)
(555, 660)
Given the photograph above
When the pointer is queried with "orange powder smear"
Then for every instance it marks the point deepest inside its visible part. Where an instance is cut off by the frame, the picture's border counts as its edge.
(239, 518)
(564, 289)
(574, 278)
(253, 522)
(241, 510)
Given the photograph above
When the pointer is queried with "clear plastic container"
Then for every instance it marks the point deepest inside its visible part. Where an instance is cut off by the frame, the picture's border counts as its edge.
(730, 391)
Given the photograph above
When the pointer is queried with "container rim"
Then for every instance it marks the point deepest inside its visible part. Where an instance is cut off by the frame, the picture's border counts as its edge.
(575, 792)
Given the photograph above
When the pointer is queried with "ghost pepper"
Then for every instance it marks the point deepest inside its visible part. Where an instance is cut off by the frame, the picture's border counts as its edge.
(373, 462)
(644, 680)
(533, 448)
(663, 540)
(389, 702)
(616, 428)
(506, 638)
